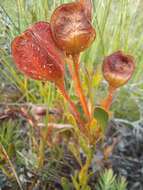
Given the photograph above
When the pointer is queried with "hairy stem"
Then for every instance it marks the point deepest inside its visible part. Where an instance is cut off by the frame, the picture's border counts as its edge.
(79, 89)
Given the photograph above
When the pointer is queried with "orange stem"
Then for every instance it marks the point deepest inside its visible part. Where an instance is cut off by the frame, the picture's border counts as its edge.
(106, 104)
(79, 89)
(62, 89)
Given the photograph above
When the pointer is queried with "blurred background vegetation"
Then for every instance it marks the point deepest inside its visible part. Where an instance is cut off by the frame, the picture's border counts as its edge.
(118, 26)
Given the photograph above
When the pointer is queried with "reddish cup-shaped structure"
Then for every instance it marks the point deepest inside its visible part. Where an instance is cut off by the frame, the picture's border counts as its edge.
(36, 55)
(71, 26)
(118, 69)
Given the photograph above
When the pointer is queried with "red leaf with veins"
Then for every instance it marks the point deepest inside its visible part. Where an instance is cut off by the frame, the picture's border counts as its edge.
(36, 55)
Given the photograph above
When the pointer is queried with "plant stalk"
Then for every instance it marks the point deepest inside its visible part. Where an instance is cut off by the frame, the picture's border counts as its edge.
(79, 89)
(106, 104)
(62, 89)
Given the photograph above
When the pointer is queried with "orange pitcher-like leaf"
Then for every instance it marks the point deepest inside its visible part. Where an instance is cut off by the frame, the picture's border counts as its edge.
(36, 55)
(118, 68)
(71, 27)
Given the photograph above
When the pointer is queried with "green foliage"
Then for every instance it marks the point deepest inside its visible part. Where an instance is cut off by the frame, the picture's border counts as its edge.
(102, 117)
(126, 106)
(66, 184)
(9, 137)
(109, 181)
(120, 29)
(116, 29)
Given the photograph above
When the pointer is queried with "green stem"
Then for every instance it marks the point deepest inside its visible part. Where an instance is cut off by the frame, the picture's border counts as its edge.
(41, 157)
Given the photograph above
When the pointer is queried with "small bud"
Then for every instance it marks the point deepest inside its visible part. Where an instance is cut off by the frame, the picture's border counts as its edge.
(118, 68)
(71, 27)
(36, 55)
